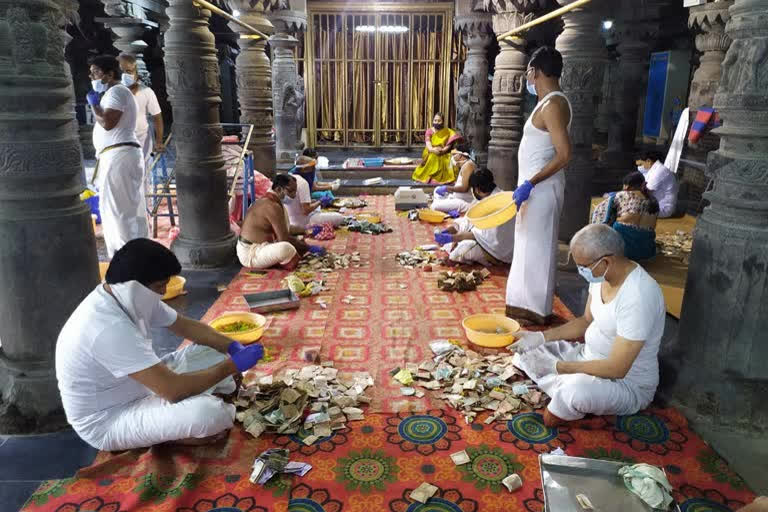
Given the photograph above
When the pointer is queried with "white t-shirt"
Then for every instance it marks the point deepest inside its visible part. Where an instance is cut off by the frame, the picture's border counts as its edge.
(294, 206)
(663, 185)
(117, 97)
(146, 106)
(635, 313)
(97, 349)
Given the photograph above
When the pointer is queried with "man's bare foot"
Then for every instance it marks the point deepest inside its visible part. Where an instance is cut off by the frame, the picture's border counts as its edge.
(199, 441)
(550, 420)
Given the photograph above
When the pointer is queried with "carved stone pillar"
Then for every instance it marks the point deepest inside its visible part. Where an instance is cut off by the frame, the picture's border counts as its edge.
(508, 90)
(584, 59)
(48, 261)
(719, 372)
(472, 98)
(605, 110)
(128, 24)
(254, 81)
(192, 79)
(287, 98)
(709, 21)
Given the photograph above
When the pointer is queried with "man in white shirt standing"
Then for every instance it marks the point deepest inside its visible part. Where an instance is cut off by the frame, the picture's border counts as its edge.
(147, 106)
(303, 211)
(616, 369)
(119, 170)
(661, 182)
(117, 393)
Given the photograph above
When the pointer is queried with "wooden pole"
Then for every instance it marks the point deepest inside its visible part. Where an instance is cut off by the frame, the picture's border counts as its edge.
(257, 34)
(510, 36)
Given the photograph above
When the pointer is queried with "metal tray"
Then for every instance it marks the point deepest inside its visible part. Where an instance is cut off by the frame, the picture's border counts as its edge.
(277, 300)
(564, 477)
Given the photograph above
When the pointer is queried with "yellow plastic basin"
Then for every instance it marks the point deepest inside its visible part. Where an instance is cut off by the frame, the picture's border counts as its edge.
(373, 218)
(244, 337)
(493, 211)
(433, 216)
(175, 287)
(483, 330)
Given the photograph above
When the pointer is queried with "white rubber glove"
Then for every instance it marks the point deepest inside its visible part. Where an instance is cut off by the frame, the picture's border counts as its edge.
(335, 185)
(527, 340)
(538, 364)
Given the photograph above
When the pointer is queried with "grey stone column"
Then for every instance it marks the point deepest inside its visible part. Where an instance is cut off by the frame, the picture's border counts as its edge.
(711, 40)
(584, 60)
(192, 81)
(508, 90)
(128, 29)
(719, 373)
(605, 110)
(48, 261)
(254, 81)
(472, 98)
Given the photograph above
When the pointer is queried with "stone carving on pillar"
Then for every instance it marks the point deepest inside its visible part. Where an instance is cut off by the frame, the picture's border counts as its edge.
(508, 88)
(472, 98)
(128, 23)
(607, 95)
(254, 80)
(43, 223)
(194, 90)
(717, 367)
(584, 60)
(709, 21)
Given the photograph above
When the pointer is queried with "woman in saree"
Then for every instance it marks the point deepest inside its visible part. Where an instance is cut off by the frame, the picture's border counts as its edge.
(436, 158)
(632, 212)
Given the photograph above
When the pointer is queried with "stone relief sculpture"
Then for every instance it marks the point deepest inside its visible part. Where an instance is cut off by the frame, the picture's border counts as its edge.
(463, 106)
(292, 104)
(300, 107)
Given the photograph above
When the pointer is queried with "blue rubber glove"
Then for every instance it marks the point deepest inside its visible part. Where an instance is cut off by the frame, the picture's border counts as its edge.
(92, 98)
(234, 348)
(316, 249)
(443, 238)
(326, 201)
(522, 193)
(442, 190)
(247, 358)
(454, 214)
(316, 229)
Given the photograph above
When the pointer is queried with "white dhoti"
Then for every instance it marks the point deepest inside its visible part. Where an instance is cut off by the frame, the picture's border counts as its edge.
(153, 420)
(576, 395)
(450, 203)
(264, 255)
(121, 197)
(333, 218)
(489, 247)
(147, 145)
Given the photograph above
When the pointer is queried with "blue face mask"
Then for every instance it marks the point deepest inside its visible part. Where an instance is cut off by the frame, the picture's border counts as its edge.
(531, 88)
(588, 276)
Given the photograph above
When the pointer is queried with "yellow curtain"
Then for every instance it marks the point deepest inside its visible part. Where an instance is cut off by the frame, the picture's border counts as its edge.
(329, 43)
(363, 86)
(425, 97)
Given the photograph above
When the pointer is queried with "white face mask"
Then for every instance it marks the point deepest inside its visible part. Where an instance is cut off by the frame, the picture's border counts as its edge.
(139, 301)
(127, 79)
(99, 86)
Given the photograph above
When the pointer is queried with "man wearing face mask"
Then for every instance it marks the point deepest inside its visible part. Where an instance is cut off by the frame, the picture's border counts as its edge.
(455, 199)
(117, 393)
(545, 150)
(467, 244)
(616, 369)
(660, 181)
(265, 239)
(147, 106)
(119, 170)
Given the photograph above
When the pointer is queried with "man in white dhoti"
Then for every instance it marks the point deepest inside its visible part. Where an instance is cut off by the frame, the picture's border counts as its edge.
(455, 199)
(120, 167)
(545, 150)
(147, 107)
(304, 212)
(117, 393)
(616, 370)
(467, 244)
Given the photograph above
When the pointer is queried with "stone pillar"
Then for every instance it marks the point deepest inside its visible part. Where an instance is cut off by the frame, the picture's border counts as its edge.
(48, 261)
(719, 375)
(192, 79)
(709, 21)
(603, 120)
(472, 98)
(128, 25)
(254, 81)
(584, 60)
(508, 90)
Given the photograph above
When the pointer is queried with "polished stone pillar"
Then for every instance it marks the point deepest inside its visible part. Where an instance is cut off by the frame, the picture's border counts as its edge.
(194, 90)
(718, 372)
(254, 81)
(48, 261)
(508, 90)
(584, 61)
(708, 20)
(472, 98)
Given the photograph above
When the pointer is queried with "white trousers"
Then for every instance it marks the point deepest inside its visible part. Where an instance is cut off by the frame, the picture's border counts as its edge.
(575, 395)
(122, 203)
(449, 203)
(154, 420)
(531, 283)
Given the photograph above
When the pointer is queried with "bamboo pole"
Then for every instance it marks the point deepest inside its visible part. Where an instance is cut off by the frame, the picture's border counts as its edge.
(257, 34)
(511, 35)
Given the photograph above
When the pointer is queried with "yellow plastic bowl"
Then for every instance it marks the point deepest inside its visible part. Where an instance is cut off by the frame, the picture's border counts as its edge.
(244, 337)
(175, 287)
(493, 211)
(433, 216)
(373, 218)
(481, 330)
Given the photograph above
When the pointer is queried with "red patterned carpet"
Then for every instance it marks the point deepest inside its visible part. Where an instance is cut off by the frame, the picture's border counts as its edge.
(374, 464)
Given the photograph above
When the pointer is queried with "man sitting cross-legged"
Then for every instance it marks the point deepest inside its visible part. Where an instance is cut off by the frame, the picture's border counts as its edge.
(616, 370)
(117, 393)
